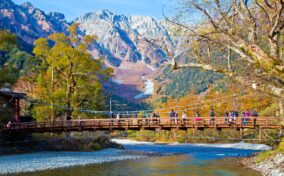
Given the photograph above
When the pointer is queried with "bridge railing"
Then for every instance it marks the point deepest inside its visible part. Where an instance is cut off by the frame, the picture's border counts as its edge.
(220, 122)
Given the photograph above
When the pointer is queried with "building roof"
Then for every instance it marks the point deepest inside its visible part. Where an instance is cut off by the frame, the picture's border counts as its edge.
(13, 94)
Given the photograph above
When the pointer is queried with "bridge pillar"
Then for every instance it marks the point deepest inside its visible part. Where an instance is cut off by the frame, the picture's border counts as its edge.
(174, 132)
(280, 133)
(158, 130)
(241, 133)
(194, 132)
(259, 133)
(166, 133)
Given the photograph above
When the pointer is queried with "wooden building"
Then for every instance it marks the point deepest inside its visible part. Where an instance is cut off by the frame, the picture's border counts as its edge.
(11, 102)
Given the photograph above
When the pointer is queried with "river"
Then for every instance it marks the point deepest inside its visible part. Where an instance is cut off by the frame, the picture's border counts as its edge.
(139, 159)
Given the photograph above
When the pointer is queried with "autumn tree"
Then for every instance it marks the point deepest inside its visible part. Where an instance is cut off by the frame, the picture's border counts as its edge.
(69, 79)
(242, 39)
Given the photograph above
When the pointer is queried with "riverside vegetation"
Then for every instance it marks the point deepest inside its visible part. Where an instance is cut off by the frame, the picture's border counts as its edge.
(75, 141)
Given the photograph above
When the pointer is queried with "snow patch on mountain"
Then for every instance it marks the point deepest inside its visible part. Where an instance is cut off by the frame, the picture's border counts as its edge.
(148, 90)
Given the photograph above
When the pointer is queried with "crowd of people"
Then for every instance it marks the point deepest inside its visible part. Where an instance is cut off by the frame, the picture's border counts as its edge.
(230, 117)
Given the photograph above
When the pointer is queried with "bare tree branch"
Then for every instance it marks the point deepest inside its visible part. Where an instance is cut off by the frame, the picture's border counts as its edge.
(264, 87)
(214, 24)
(276, 27)
(268, 4)
(265, 11)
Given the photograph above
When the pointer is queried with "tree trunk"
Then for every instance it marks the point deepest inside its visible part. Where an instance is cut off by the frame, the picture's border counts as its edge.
(281, 108)
(52, 99)
(68, 110)
(229, 59)
(274, 47)
(68, 96)
(281, 52)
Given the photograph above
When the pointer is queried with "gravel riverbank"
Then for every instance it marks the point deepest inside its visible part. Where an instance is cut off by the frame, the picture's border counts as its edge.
(273, 166)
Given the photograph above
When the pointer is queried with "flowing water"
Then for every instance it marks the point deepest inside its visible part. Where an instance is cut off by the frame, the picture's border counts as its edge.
(139, 159)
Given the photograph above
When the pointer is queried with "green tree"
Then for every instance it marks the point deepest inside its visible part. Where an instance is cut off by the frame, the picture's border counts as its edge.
(8, 74)
(7, 40)
(69, 78)
(19, 59)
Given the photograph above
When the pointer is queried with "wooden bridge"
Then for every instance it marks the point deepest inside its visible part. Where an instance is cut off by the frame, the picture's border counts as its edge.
(202, 123)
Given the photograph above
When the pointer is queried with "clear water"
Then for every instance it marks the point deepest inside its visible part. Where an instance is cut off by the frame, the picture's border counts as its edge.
(176, 160)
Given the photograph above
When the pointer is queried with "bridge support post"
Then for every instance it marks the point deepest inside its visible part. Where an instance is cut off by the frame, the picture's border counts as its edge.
(195, 132)
(158, 130)
(241, 133)
(280, 133)
(259, 134)
(174, 132)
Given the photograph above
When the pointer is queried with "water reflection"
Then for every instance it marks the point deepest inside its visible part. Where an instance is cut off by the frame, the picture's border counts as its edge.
(177, 165)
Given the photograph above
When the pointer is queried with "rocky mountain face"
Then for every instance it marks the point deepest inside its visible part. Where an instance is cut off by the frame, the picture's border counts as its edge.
(28, 22)
(133, 39)
(135, 46)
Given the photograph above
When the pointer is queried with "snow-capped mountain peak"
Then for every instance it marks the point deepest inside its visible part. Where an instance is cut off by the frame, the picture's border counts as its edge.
(133, 45)
(28, 5)
(127, 36)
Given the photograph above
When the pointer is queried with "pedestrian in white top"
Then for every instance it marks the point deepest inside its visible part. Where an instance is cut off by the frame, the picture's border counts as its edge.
(118, 117)
(183, 117)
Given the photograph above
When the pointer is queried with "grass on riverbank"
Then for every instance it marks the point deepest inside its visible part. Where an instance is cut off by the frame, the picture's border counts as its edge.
(270, 154)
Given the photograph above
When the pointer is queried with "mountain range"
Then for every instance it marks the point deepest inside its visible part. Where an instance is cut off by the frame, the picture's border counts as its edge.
(134, 46)
(128, 43)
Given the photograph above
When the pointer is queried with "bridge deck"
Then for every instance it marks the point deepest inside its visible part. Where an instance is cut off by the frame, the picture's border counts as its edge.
(142, 123)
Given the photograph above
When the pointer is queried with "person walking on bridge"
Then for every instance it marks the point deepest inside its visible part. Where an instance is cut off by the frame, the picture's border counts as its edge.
(183, 117)
(197, 117)
(135, 115)
(135, 120)
(172, 115)
(197, 114)
(176, 117)
(118, 117)
(212, 115)
(254, 114)
(9, 124)
(236, 114)
(155, 117)
(246, 117)
(158, 115)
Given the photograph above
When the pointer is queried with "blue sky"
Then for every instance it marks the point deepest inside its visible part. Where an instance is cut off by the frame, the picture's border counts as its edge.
(75, 8)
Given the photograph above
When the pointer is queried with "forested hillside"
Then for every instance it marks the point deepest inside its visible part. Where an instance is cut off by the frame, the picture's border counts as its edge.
(180, 83)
